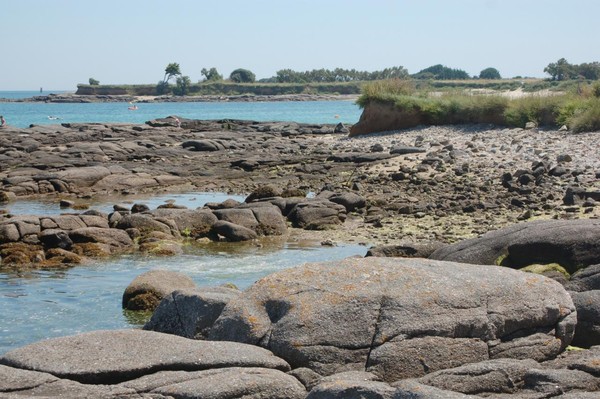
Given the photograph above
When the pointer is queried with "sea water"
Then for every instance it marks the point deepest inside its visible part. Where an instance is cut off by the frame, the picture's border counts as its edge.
(40, 304)
(24, 114)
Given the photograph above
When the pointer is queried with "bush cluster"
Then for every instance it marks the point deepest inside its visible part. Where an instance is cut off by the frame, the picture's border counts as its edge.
(579, 110)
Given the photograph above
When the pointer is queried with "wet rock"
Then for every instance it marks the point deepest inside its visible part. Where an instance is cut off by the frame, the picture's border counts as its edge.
(233, 232)
(52, 238)
(159, 244)
(340, 128)
(7, 196)
(405, 250)
(19, 253)
(66, 203)
(147, 290)
(139, 208)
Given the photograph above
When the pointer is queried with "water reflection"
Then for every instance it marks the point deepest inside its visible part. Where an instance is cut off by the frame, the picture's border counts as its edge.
(51, 206)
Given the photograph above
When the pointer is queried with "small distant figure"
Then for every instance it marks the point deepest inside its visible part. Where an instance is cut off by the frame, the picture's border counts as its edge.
(177, 122)
(2, 121)
(41, 89)
(336, 116)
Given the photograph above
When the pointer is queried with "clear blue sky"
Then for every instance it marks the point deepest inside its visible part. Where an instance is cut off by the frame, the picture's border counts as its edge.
(57, 44)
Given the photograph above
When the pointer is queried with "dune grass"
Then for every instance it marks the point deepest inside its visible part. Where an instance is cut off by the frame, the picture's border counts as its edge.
(578, 109)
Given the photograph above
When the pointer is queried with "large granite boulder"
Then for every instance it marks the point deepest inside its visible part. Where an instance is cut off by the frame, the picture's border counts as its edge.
(147, 290)
(400, 318)
(190, 312)
(135, 362)
(573, 244)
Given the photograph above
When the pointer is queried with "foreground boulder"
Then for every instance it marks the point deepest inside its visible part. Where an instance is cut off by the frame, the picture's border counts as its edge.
(400, 318)
(574, 244)
(130, 362)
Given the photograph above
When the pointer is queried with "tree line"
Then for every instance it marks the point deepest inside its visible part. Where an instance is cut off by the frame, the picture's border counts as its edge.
(558, 71)
(563, 70)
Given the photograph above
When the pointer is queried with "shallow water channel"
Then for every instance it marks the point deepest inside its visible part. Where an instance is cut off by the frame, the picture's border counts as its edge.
(39, 304)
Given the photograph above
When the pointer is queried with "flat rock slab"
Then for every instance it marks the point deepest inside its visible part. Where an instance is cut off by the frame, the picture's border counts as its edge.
(574, 244)
(400, 318)
(233, 382)
(109, 357)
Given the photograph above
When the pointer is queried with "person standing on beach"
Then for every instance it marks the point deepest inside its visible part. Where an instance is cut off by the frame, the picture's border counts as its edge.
(2, 121)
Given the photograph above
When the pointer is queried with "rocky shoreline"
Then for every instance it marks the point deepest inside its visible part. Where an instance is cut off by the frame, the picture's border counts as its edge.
(428, 183)
(99, 98)
(445, 323)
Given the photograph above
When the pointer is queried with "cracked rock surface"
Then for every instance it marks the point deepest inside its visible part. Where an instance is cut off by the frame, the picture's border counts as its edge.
(400, 318)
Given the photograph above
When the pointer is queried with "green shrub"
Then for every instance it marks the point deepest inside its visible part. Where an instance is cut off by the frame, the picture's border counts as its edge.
(587, 119)
(596, 89)
(542, 110)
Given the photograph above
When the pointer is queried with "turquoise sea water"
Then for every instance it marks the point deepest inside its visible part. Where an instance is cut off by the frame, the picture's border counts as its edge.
(23, 114)
(40, 304)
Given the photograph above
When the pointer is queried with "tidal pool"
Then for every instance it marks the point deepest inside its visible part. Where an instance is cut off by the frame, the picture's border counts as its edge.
(40, 304)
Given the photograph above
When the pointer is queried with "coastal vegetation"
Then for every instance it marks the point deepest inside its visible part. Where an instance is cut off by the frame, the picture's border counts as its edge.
(578, 108)
(437, 95)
